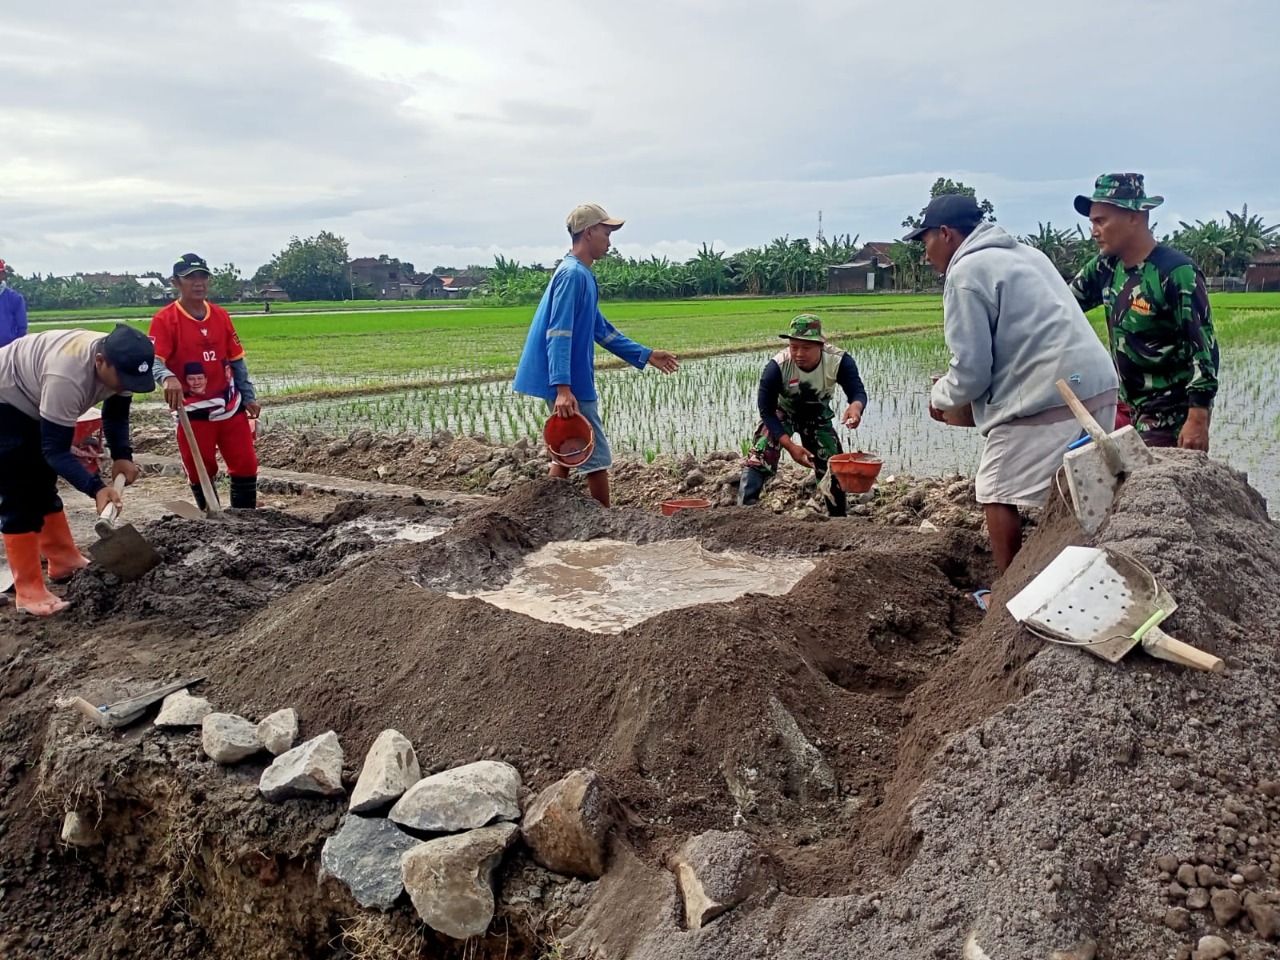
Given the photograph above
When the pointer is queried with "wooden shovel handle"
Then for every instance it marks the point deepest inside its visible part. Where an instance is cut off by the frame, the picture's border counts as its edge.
(1159, 644)
(1115, 462)
(210, 498)
(111, 511)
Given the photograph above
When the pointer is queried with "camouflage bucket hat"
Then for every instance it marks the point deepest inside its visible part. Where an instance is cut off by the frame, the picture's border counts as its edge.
(805, 327)
(1124, 190)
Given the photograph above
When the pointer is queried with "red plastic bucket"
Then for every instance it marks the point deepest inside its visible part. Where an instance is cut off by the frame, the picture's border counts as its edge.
(690, 503)
(569, 440)
(856, 472)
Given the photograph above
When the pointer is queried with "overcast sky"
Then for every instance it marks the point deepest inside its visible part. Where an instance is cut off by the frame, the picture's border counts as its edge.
(444, 132)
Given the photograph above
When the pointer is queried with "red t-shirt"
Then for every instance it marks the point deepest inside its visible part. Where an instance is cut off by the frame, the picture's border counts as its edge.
(199, 353)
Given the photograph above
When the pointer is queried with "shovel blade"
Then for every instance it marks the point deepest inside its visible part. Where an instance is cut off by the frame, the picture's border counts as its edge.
(125, 553)
(184, 509)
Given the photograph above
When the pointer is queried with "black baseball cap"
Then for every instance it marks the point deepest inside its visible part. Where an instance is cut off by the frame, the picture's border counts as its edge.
(133, 355)
(949, 210)
(190, 263)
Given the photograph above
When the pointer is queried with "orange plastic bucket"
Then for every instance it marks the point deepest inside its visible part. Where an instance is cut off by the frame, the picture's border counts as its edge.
(569, 440)
(690, 503)
(856, 472)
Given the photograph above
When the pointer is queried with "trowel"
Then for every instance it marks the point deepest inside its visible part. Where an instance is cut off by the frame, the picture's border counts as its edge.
(121, 550)
(1096, 470)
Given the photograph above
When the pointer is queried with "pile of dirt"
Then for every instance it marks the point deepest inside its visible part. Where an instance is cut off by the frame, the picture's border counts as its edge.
(917, 773)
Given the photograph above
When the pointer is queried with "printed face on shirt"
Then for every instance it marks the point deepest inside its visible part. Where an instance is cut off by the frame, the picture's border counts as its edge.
(197, 384)
(806, 354)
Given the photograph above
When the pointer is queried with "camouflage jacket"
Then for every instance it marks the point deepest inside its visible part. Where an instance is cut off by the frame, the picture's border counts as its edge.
(1161, 333)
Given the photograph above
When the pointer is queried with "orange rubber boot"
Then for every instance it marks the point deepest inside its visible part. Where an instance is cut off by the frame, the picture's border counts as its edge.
(59, 548)
(32, 596)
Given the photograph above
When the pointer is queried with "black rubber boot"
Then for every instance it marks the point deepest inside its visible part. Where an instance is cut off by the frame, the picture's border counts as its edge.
(837, 503)
(750, 486)
(198, 493)
(244, 493)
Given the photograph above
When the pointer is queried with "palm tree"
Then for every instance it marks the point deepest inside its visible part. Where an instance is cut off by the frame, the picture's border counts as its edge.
(1058, 245)
(1247, 237)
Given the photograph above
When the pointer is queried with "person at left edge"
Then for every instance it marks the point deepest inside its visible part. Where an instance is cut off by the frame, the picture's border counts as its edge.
(13, 310)
(47, 380)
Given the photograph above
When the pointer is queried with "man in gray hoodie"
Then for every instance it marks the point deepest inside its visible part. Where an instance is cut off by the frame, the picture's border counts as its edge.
(1014, 329)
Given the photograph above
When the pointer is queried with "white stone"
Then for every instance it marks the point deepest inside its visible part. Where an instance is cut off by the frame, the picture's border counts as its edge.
(390, 768)
(77, 831)
(716, 871)
(181, 709)
(463, 798)
(279, 731)
(227, 738)
(450, 880)
(313, 769)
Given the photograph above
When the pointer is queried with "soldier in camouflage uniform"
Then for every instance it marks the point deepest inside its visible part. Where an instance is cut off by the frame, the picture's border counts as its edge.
(1158, 317)
(795, 395)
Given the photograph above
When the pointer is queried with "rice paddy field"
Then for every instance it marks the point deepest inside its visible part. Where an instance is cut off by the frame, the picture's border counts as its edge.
(424, 370)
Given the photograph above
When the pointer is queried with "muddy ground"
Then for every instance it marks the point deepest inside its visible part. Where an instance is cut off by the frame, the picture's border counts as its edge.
(971, 783)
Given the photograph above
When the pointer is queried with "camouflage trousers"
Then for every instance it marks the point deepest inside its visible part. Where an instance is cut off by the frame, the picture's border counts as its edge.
(762, 460)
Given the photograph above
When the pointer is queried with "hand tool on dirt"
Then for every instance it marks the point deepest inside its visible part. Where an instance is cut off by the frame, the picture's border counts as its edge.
(1107, 603)
(109, 716)
(121, 550)
(1096, 470)
(213, 508)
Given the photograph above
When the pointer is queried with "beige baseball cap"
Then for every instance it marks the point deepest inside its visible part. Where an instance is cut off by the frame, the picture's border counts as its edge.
(588, 215)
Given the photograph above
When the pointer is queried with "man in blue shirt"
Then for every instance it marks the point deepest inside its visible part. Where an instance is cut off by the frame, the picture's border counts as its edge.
(13, 310)
(558, 361)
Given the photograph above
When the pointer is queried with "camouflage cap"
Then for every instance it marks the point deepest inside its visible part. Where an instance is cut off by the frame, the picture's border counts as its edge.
(1124, 190)
(805, 327)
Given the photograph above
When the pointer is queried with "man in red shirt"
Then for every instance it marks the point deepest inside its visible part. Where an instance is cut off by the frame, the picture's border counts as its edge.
(192, 335)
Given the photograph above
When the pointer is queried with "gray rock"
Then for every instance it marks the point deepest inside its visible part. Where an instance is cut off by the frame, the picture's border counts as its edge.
(450, 880)
(463, 798)
(567, 825)
(390, 768)
(464, 464)
(810, 777)
(181, 709)
(1226, 906)
(502, 481)
(227, 738)
(1177, 919)
(279, 731)
(1197, 898)
(716, 871)
(365, 855)
(77, 831)
(694, 479)
(1211, 948)
(1187, 875)
(313, 769)
(1265, 919)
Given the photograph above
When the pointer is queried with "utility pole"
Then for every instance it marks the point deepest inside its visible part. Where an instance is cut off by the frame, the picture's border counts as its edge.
(820, 237)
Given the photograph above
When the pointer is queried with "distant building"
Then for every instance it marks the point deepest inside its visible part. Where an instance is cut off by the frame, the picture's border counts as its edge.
(1264, 272)
(459, 287)
(430, 286)
(869, 270)
(383, 275)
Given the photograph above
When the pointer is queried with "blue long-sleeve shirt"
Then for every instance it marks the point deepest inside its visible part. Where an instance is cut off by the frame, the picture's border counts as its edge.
(13, 315)
(560, 348)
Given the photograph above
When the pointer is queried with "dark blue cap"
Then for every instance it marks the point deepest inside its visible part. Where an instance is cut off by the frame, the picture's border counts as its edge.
(131, 352)
(949, 210)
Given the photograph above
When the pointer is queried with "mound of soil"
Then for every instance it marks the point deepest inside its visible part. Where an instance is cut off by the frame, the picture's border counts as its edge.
(917, 773)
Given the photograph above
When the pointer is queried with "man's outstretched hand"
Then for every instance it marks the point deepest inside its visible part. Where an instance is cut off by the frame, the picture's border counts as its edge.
(664, 360)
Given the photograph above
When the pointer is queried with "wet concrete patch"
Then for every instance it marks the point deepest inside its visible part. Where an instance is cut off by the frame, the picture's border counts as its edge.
(607, 586)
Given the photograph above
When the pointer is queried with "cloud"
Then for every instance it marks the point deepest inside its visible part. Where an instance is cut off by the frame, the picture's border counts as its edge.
(443, 130)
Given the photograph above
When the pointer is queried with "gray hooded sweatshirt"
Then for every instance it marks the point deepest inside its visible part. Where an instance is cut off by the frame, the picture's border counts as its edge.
(1014, 329)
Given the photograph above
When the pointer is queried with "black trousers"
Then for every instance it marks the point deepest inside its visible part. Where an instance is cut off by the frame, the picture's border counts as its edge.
(28, 485)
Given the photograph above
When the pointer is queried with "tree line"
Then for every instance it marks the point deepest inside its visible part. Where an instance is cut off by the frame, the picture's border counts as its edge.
(316, 268)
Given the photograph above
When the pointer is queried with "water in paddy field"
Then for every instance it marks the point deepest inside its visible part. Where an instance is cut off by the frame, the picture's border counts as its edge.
(606, 586)
(710, 405)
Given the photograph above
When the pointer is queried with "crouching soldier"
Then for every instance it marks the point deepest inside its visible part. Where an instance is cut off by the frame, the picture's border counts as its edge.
(795, 396)
(47, 380)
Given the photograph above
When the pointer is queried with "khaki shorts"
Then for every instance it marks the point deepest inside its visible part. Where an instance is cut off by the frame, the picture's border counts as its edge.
(1020, 459)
